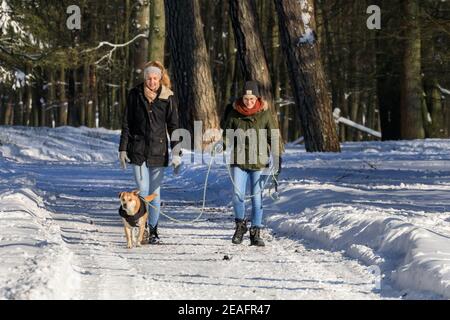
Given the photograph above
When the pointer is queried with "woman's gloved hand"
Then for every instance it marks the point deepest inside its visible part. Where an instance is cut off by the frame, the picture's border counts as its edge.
(123, 158)
(278, 169)
(176, 163)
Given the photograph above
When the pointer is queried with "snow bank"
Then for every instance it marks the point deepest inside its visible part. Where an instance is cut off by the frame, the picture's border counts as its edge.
(411, 256)
(22, 144)
(383, 203)
(36, 263)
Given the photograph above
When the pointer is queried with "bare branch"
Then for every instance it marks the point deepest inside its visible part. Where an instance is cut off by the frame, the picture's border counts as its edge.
(106, 43)
(114, 47)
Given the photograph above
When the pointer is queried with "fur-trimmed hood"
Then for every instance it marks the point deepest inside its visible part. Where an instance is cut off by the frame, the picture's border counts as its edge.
(165, 93)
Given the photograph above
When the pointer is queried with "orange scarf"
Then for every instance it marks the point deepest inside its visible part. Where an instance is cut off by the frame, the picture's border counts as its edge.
(242, 109)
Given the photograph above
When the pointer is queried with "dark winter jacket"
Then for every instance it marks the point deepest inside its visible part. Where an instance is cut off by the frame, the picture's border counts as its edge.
(232, 119)
(145, 126)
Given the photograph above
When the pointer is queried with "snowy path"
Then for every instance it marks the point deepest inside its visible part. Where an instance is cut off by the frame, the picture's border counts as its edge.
(190, 264)
(377, 204)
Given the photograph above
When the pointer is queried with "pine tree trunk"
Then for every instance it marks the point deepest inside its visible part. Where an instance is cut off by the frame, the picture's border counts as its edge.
(436, 128)
(28, 100)
(125, 54)
(190, 66)
(35, 105)
(141, 49)
(39, 104)
(388, 69)
(8, 115)
(103, 115)
(62, 101)
(85, 106)
(157, 36)
(51, 98)
(231, 62)
(436, 111)
(93, 101)
(307, 75)
(18, 108)
(114, 110)
(74, 101)
(251, 53)
(412, 122)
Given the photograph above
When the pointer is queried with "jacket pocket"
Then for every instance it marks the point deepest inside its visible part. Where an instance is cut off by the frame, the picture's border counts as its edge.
(158, 146)
(137, 146)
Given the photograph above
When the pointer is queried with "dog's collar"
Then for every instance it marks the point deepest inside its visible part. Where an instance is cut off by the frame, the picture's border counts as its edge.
(133, 220)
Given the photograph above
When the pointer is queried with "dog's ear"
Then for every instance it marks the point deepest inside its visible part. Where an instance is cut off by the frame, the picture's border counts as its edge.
(120, 194)
(150, 197)
(136, 192)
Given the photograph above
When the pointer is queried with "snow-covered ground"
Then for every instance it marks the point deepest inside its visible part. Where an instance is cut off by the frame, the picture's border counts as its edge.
(340, 220)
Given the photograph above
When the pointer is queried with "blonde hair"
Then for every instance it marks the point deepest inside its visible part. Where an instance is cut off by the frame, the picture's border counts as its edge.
(165, 80)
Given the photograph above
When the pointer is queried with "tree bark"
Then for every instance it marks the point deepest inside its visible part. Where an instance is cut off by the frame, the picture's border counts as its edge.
(28, 99)
(9, 112)
(51, 98)
(412, 123)
(62, 101)
(18, 109)
(157, 36)
(190, 66)
(388, 69)
(250, 48)
(307, 75)
(74, 103)
(141, 49)
(85, 106)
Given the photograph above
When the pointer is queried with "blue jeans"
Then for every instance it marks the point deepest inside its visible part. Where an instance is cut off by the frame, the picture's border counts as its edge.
(149, 181)
(256, 183)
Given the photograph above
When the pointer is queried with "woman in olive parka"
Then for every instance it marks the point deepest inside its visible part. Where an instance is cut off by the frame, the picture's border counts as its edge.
(248, 122)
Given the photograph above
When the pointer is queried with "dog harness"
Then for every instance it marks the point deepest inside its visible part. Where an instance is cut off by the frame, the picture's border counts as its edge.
(133, 220)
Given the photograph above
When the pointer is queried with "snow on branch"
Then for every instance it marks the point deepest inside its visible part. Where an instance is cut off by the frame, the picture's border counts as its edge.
(8, 25)
(114, 47)
(309, 35)
(443, 90)
(16, 78)
(348, 122)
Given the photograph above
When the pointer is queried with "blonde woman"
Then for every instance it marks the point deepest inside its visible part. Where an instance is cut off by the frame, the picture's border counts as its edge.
(149, 114)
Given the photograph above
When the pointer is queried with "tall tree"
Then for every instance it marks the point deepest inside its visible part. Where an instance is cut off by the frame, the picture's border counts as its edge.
(297, 28)
(62, 103)
(142, 21)
(388, 70)
(157, 33)
(190, 65)
(250, 47)
(412, 122)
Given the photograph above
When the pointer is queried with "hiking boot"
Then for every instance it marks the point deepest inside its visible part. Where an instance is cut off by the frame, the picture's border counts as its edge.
(255, 237)
(153, 236)
(241, 229)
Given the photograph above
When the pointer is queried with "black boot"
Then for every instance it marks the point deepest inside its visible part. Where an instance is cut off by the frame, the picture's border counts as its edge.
(153, 237)
(255, 238)
(241, 229)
